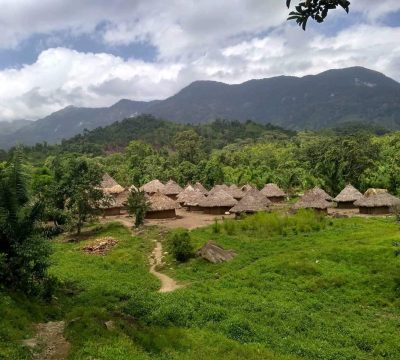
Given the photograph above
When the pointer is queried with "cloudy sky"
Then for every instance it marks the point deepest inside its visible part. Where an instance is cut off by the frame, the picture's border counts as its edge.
(55, 53)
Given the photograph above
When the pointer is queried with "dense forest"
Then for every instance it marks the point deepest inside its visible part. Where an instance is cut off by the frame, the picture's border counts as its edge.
(140, 149)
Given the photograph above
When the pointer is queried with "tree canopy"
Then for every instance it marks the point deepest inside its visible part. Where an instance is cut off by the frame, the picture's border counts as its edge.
(314, 9)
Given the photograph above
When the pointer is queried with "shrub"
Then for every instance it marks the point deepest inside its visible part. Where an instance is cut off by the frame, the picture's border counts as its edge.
(216, 227)
(180, 245)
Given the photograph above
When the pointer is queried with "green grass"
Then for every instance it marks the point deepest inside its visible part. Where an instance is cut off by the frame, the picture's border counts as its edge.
(300, 288)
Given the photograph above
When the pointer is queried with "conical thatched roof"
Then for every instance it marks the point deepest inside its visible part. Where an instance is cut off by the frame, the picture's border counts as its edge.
(378, 200)
(251, 203)
(272, 190)
(192, 198)
(219, 198)
(246, 187)
(171, 188)
(312, 201)
(108, 182)
(185, 192)
(348, 194)
(199, 186)
(161, 202)
(318, 192)
(235, 192)
(217, 188)
(214, 253)
(153, 186)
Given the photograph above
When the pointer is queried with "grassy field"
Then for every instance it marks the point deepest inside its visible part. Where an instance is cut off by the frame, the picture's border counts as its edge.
(299, 288)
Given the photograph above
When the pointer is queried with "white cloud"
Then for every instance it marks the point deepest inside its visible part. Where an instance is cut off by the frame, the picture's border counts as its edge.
(228, 40)
(61, 77)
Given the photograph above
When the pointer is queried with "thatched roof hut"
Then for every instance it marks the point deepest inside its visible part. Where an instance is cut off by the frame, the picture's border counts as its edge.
(152, 187)
(172, 189)
(214, 253)
(273, 192)
(347, 197)
(218, 202)
(313, 201)
(161, 206)
(317, 191)
(108, 182)
(192, 200)
(183, 194)
(110, 186)
(235, 192)
(199, 186)
(378, 204)
(251, 203)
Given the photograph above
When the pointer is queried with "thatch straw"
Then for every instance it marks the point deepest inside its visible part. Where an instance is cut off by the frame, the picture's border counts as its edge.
(219, 198)
(373, 191)
(171, 188)
(319, 193)
(246, 187)
(161, 202)
(133, 188)
(272, 190)
(183, 194)
(217, 188)
(251, 204)
(348, 194)
(152, 186)
(199, 186)
(235, 192)
(108, 182)
(192, 198)
(312, 201)
(378, 200)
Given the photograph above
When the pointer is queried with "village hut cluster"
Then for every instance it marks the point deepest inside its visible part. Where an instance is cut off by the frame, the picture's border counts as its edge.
(164, 199)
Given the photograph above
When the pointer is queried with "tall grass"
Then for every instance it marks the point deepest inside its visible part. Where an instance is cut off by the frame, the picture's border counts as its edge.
(276, 224)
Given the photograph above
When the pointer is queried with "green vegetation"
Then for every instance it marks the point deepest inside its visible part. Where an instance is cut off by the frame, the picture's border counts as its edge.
(141, 149)
(300, 287)
(180, 246)
(137, 205)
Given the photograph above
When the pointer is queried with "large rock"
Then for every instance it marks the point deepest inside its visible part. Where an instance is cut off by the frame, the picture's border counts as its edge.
(214, 253)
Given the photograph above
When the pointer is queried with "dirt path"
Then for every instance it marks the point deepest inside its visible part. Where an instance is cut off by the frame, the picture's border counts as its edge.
(49, 342)
(167, 284)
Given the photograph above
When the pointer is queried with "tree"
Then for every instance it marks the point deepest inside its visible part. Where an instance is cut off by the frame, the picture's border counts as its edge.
(81, 188)
(180, 245)
(189, 146)
(24, 249)
(315, 9)
(137, 205)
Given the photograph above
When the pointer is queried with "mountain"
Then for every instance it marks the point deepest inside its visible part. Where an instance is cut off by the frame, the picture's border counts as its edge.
(8, 127)
(311, 102)
(72, 120)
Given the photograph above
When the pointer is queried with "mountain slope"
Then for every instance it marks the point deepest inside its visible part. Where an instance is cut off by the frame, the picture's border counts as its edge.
(72, 120)
(9, 127)
(311, 102)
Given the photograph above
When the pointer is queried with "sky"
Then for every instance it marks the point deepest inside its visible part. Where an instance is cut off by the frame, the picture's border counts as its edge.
(56, 53)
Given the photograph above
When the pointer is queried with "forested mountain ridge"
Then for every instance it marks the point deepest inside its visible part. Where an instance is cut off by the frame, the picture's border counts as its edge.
(311, 102)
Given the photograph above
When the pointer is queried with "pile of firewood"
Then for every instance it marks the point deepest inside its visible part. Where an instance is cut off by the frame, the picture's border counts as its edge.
(100, 246)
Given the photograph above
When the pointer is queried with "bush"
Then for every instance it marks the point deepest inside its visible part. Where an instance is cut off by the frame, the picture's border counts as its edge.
(180, 245)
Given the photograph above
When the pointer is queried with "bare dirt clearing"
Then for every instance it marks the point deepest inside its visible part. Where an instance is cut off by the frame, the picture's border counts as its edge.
(185, 219)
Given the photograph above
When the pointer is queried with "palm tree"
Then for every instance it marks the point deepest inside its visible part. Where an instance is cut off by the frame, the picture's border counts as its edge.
(24, 250)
